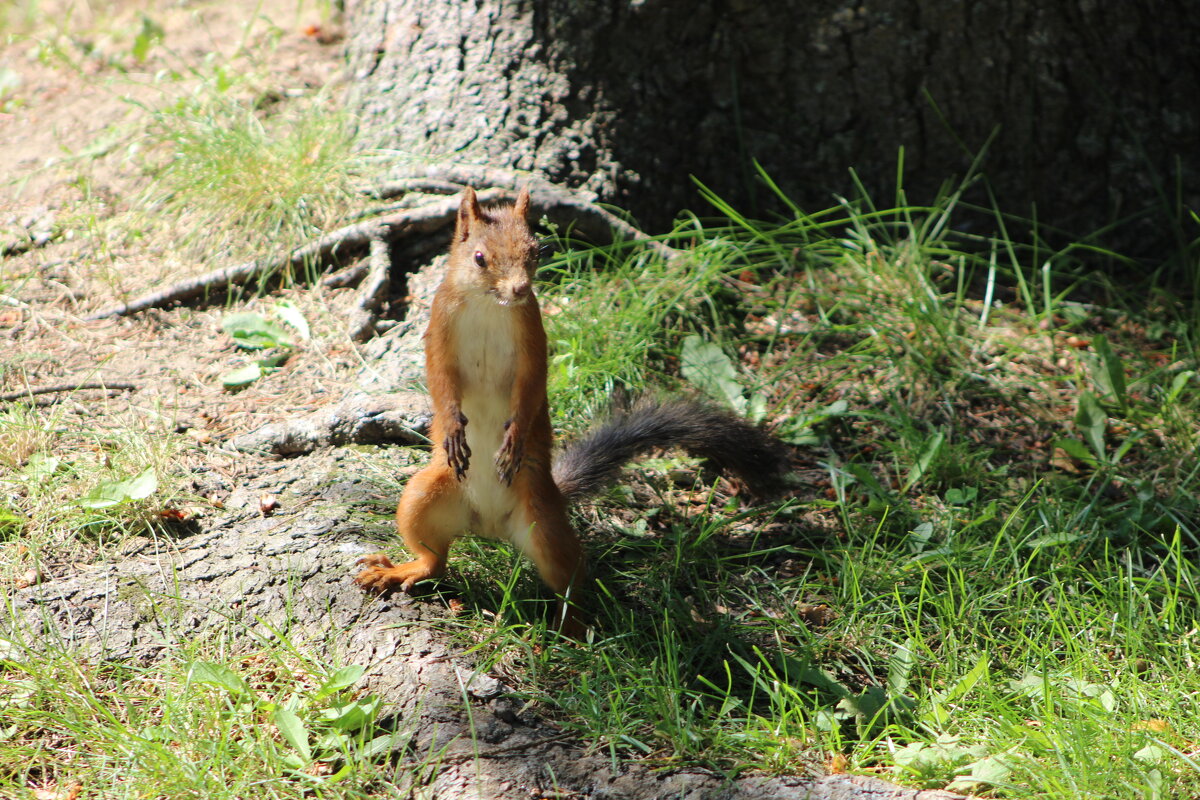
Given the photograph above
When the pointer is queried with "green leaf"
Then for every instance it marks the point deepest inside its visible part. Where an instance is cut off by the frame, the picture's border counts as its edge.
(150, 33)
(1091, 420)
(41, 466)
(990, 771)
(1111, 374)
(1152, 754)
(1076, 450)
(707, 366)
(344, 678)
(938, 713)
(929, 452)
(115, 493)
(1057, 539)
(1179, 383)
(11, 522)
(243, 376)
(961, 496)
(251, 331)
(286, 311)
(354, 715)
(292, 728)
(900, 667)
(801, 429)
(218, 675)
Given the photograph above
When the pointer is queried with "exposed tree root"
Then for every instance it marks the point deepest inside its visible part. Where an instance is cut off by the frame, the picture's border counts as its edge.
(347, 240)
(560, 205)
(373, 293)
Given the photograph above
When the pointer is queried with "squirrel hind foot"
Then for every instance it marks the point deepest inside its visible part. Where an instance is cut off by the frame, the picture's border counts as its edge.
(382, 577)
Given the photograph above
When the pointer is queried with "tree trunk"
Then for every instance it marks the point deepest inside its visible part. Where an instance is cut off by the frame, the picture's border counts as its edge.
(1093, 102)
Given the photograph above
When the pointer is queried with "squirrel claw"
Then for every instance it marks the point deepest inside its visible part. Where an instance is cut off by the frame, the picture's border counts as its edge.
(458, 452)
(509, 456)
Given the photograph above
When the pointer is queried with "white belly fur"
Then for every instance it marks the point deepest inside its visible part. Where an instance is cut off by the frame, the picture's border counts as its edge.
(487, 366)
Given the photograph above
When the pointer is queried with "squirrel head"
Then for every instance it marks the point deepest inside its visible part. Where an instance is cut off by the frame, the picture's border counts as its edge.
(494, 249)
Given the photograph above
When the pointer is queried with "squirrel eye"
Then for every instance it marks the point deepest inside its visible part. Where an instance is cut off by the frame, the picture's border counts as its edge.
(480, 261)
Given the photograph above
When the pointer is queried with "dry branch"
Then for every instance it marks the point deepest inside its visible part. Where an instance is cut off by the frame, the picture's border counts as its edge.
(29, 391)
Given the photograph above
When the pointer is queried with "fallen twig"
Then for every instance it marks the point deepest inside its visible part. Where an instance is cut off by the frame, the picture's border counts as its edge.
(114, 386)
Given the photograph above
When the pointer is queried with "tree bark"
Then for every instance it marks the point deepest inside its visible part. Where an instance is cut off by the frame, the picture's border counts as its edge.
(1093, 102)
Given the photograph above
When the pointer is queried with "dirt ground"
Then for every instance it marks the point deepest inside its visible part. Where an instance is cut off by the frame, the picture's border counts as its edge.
(74, 101)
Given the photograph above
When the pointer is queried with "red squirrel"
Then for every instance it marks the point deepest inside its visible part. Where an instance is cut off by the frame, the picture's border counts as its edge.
(492, 472)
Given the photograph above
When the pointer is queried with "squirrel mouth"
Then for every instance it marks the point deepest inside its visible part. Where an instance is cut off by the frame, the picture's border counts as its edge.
(505, 299)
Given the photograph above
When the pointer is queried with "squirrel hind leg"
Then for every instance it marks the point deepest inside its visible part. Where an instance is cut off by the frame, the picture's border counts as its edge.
(432, 513)
(545, 536)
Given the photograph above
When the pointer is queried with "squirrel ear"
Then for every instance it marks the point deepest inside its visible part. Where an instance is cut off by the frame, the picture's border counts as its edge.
(521, 207)
(468, 212)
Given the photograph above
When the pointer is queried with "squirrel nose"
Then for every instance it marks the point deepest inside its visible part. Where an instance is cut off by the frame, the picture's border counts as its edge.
(521, 289)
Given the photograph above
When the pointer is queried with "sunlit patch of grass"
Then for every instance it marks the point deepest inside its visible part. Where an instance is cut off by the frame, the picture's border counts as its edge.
(242, 184)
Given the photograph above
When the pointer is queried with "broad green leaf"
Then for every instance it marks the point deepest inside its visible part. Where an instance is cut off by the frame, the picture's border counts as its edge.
(800, 430)
(150, 33)
(1179, 383)
(1111, 373)
(1076, 450)
(900, 667)
(929, 452)
(11, 522)
(114, 493)
(286, 311)
(938, 713)
(990, 771)
(1057, 539)
(1091, 420)
(292, 728)
(1152, 754)
(243, 376)
(354, 715)
(41, 466)
(961, 496)
(344, 678)
(252, 331)
(707, 366)
(218, 675)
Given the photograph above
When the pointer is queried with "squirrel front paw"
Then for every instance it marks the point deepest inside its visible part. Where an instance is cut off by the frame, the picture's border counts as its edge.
(508, 457)
(458, 453)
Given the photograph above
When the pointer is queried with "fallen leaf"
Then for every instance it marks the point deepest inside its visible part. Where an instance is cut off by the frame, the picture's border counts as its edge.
(816, 615)
(267, 504)
(1152, 725)
(30, 577)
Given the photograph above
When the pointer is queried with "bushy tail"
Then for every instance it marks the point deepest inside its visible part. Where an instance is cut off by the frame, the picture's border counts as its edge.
(728, 442)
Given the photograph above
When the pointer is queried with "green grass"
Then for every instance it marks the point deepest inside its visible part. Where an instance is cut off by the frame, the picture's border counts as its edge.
(984, 578)
(243, 185)
(201, 723)
(985, 575)
(1002, 525)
